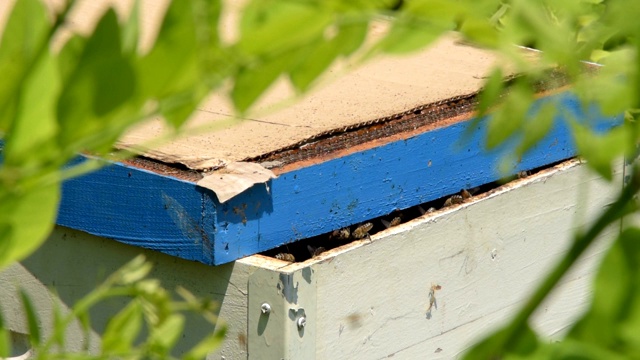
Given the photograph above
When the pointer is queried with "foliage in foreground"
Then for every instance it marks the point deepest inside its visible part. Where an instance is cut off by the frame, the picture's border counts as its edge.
(54, 104)
(148, 327)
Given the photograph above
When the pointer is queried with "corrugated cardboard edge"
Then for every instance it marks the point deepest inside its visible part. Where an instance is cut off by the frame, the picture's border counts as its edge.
(234, 179)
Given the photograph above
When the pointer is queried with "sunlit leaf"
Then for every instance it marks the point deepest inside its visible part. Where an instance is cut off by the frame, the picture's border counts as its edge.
(5, 343)
(165, 336)
(537, 126)
(496, 346)
(508, 119)
(100, 85)
(613, 321)
(29, 217)
(32, 138)
(122, 330)
(24, 36)
(274, 26)
(131, 30)
(600, 149)
(410, 34)
(31, 318)
(251, 82)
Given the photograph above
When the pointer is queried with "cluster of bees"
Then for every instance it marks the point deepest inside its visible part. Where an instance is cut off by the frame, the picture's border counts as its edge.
(361, 231)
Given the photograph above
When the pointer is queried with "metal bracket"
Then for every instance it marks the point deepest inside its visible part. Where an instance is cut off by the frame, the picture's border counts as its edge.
(282, 314)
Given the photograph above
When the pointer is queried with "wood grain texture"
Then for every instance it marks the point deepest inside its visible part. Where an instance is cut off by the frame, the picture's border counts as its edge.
(371, 183)
(180, 219)
(486, 256)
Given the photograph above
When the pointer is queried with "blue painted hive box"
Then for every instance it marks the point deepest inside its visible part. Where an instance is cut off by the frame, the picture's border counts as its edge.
(381, 139)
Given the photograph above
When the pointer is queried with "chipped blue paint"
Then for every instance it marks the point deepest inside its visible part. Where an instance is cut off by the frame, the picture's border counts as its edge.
(180, 219)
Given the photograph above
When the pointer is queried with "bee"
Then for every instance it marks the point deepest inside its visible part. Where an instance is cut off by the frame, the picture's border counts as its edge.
(341, 234)
(394, 222)
(432, 299)
(362, 231)
(454, 200)
(423, 211)
(286, 257)
(465, 194)
(315, 251)
(523, 174)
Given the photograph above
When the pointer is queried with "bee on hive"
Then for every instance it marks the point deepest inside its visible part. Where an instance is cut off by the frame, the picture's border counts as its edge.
(340, 234)
(315, 251)
(465, 194)
(362, 231)
(455, 199)
(394, 222)
(286, 257)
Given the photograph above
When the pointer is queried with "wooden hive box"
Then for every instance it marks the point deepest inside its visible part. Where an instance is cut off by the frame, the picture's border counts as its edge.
(213, 210)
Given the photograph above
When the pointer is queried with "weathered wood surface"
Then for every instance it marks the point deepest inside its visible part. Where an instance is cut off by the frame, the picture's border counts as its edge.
(487, 256)
(73, 263)
(180, 219)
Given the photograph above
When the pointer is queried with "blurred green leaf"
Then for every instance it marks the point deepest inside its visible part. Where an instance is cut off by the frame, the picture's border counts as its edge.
(31, 319)
(275, 26)
(410, 34)
(122, 330)
(5, 343)
(537, 125)
(601, 149)
(613, 321)
(133, 271)
(491, 91)
(510, 116)
(165, 336)
(31, 140)
(206, 345)
(99, 86)
(252, 82)
(131, 30)
(496, 346)
(27, 220)
(23, 37)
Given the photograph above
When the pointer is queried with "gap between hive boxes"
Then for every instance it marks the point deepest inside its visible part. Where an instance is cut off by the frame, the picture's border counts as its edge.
(324, 246)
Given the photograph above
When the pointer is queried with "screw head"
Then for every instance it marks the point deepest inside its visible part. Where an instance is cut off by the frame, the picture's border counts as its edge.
(265, 308)
(302, 321)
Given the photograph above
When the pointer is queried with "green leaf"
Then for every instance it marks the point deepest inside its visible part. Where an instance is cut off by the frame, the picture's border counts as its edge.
(131, 30)
(122, 330)
(253, 81)
(133, 271)
(410, 34)
(27, 220)
(5, 344)
(164, 337)
(31, 140)
(601, 149)
(491, 92)
(275, 26)
(22, 40)
(613, 321)
(508, 119)
(537, 126)
(206, 345)
(31, 319)
(350, 36)
(496, 346)
(98, 89)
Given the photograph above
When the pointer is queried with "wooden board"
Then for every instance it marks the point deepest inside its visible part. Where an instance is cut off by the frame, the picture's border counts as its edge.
(487, 256)
(180, 219)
